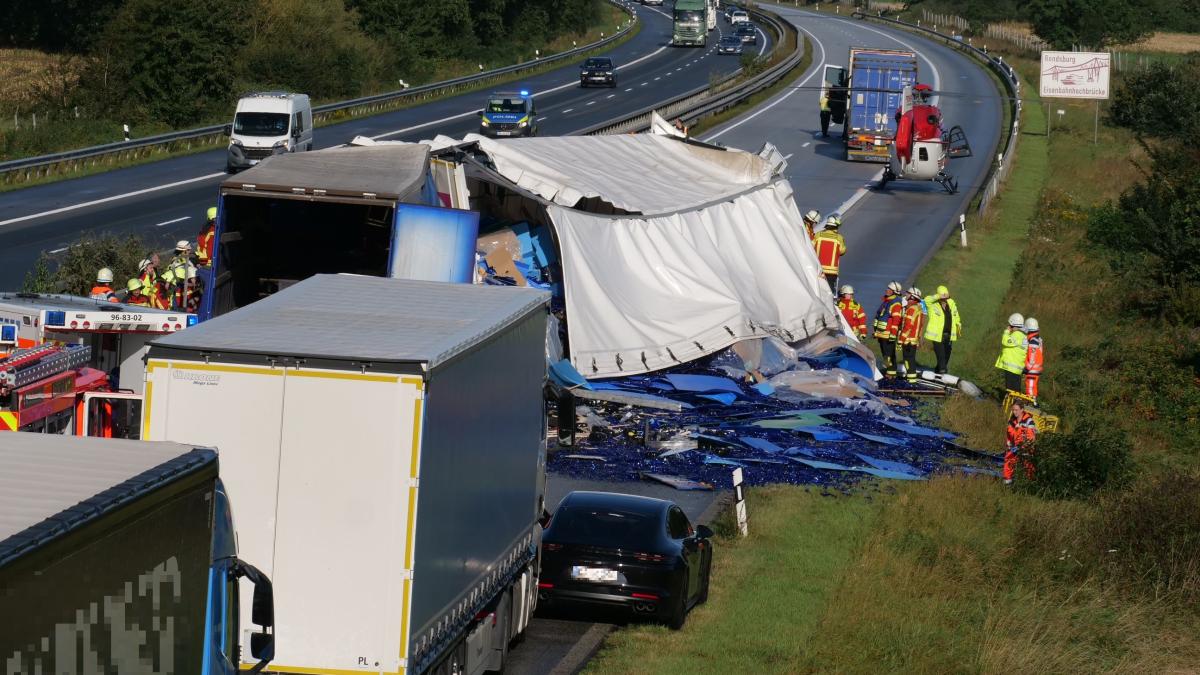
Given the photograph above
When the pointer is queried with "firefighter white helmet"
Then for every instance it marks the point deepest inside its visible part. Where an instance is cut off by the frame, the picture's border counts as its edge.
(1031, 324)
(915, 292)
(847, 290)
(104, 276)
(812, 217)
(895, 287)
(1016, 320)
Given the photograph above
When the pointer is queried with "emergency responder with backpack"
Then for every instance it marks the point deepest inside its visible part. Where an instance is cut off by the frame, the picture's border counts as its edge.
(887, 326)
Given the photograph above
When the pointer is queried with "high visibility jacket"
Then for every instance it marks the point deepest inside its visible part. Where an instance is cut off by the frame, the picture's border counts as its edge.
(937, 319)
(824, 103)
(102, 292)
(204, 245)
(1020, 431)
(1012, 351)
(888, 317)
(1033, 354)
(830, 249)
(855, 316)
(910, 325)
(139, 300)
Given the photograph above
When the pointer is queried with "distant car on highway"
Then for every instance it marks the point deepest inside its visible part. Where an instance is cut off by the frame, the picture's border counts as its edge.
(739, 16)
(598, 70)
(652, 2)
(747, 33)
(604, 549)
(730, 44)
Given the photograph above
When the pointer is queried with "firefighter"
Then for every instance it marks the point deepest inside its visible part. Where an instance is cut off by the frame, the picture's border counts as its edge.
(1012, 353)
(855, 316)
(887, 326)
(810, 222)
(1033, 358)
(830, 248)
(944, 327)
(137, 294)
(183, 252)
(205, 240)
(171, 287)
(191, 290)
(151, 283)
(103, 288)
(910, 331)
(1018, 442)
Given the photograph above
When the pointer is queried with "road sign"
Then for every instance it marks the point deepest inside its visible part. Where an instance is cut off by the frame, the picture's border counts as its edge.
(1075, 74)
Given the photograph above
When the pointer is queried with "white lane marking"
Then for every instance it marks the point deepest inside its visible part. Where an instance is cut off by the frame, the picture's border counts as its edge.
(567, 111)
(175, 220)
(542, 118)
(657, 79)
(764, 40)
(609, 96)
(857, 196)
(591, 103)
(105, 200)
(643, 84)
(629, 90)
(59, 250)
(789, 155)
(820, 68)
(806, 144)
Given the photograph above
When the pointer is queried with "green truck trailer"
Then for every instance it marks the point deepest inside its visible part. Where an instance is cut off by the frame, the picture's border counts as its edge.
(690, 23)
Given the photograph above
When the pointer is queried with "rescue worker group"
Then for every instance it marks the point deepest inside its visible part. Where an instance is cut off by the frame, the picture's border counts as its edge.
(905, 318)
(173, 286)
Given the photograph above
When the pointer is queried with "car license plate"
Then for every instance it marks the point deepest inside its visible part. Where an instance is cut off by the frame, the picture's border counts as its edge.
(592, 574)
(504, 133)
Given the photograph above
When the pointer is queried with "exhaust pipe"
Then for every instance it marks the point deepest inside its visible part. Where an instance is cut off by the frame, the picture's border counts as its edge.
(644, 607)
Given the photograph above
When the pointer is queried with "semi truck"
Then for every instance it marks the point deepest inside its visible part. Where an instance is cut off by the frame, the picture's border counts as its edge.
(690, 23)
(360, 210)
(876, 79)
(119, 556)
(386, 440)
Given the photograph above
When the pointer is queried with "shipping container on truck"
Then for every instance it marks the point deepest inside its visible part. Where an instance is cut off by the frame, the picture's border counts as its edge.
(386, 440)
(378, 210)
(119, 556)
(877, 78)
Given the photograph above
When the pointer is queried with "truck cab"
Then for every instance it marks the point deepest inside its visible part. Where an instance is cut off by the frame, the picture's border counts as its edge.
(265, 124)
(690, 23)
(508, 114)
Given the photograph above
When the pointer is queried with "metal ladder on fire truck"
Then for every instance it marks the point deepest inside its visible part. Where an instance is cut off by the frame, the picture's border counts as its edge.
(27, 366)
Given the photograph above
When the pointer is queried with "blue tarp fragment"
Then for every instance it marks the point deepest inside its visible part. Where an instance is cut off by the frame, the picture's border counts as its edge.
(801, 450)
(724, 397)
(761, 460)
(894, 475)
(702, 383)
(761, 444)
(565, 375)
(886, 440)
(713, 459)
(818, 464)
(764, 388)
(823, 433)
(794, 421)
(916, 430)
(677, 482)
(887, 465)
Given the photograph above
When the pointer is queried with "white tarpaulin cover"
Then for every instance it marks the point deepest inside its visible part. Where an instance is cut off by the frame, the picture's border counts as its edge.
(722, 255)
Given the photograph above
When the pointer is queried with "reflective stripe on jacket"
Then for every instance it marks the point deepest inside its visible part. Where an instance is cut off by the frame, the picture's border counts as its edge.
(910, 327)
(887, 317)
(830, 248)
(1033, 355)
(204, 246)
(1012, 351)
(855, 316)
(937, 319)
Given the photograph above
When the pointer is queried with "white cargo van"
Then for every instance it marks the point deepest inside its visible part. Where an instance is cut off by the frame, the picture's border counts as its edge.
(268, 123)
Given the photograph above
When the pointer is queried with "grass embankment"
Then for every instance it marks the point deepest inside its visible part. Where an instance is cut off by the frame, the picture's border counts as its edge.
(90, 132)
(965, 575)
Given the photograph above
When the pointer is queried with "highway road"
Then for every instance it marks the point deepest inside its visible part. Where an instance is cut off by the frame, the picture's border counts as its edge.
(164, 201)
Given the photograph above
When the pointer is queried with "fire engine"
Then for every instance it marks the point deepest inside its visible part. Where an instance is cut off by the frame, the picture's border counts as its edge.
(922, 149)
(73, 365)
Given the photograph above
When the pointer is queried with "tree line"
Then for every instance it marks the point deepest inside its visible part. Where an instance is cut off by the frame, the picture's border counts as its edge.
(1086, 23)
(179, 63)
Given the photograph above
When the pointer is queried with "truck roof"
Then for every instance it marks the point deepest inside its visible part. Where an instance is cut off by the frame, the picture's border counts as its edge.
(51, 484)
(385, 172)
(346, 317)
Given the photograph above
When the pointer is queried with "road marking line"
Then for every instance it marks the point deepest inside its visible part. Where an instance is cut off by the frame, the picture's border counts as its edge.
(643, 84)
(629, 89)
(168, 222)
(609, 96)
(655, 79)
(788, 156)
(105, 200)
(819, 69)
(542, 118)
(806, 144)
(856, 197)
(591, 102)
(59, 250)
(567, 111)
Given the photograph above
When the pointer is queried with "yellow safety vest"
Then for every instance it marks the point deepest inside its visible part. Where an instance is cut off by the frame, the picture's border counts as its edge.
(937, 319)
(1012, 351)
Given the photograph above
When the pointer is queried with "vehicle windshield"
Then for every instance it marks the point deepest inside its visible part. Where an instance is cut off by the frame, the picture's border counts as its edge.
(745, 28)
(731, 40)
(598, 64)
(608, 528)
(260, 124)
(689, 15)
(506, 105)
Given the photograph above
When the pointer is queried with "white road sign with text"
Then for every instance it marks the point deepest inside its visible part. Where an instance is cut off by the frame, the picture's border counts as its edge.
(1075, 74)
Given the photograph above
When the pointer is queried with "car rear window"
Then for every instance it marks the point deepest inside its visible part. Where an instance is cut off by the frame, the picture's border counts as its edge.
(608, 528)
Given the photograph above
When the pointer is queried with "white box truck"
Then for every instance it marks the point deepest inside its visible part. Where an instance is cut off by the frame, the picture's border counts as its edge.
(386, 440)
(268, 123)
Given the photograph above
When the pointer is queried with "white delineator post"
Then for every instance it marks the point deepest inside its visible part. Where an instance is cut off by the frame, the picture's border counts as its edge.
(962, 228)
(740, 503)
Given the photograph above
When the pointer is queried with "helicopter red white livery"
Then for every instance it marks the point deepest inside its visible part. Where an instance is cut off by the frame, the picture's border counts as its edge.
(922, 148)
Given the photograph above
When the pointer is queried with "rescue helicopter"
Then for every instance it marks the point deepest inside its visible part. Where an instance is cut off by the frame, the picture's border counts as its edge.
(922, 148)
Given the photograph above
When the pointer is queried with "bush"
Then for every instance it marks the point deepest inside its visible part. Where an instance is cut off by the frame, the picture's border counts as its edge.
(76, 272)
(1094, 454)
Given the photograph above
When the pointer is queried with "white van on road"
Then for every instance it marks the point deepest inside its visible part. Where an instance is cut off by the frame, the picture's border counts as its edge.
(268, 123)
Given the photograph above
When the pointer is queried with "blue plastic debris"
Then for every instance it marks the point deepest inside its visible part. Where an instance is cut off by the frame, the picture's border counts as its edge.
(893, 475)
(761, 444)
(886, 440)
(761, 460)
(676, 482)
(823, 433)
(854, 363)
(565, 375)
(702, 383)
(713, 459)
(886, 465)
(764, 388)
(793, 421)
(919, 430)
(724, 397)
(818, 464)
(800, 450)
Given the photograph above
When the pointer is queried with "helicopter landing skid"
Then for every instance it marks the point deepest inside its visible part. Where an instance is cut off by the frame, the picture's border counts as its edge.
(948, 183)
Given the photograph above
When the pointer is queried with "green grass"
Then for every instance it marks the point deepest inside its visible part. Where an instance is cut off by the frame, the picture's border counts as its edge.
(767, 594)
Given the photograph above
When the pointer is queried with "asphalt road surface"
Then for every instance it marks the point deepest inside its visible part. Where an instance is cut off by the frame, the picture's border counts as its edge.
(164, 201)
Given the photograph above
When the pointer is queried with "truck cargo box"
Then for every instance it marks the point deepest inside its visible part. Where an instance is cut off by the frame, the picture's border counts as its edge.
(877, 81)
(386, 441)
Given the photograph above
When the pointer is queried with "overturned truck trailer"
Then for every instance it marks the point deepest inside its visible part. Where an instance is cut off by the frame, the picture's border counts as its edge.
(670, 249)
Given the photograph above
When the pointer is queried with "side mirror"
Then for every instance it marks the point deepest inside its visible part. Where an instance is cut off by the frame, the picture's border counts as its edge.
(262, 646)
(228, 129)
(262, 610)
(295, 132)
(704, 532)
(479, 113)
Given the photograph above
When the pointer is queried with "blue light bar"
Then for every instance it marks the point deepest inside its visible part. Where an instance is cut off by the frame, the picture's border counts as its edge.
(191, 320)
(524, 92)
(56, 318)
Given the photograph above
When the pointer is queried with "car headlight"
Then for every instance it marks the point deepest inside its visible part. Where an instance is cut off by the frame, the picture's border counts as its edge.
(608, 72)
(279, 147)
(236, 142)
(523, 124)
(483, 122)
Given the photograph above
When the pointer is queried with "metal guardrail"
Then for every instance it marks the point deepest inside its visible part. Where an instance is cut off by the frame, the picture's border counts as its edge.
(716, 97)
(999, 169)
(21, 170)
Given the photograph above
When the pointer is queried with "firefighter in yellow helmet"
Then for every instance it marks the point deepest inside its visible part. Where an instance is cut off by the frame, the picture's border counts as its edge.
(944, 327)
(206, 239)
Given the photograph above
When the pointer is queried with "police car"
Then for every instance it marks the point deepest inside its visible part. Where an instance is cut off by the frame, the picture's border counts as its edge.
(508, 114)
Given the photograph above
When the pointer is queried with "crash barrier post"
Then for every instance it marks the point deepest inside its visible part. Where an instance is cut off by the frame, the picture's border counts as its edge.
(33, 168)
(739, 505)
(713, 98)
